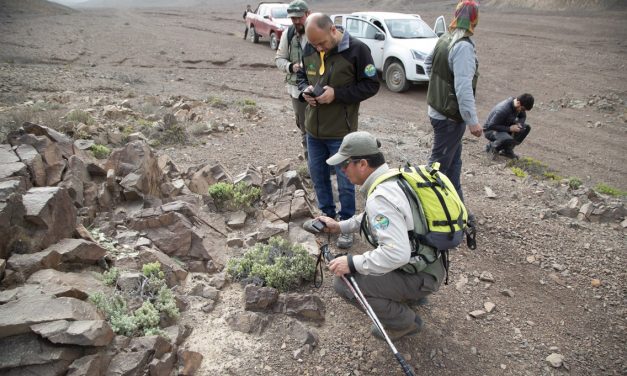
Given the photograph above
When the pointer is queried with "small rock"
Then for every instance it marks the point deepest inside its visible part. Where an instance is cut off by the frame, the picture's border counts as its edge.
(477, 314)
(558, 267)
(555, 360)
(507, 292)
(489, 306)
(486, 277)
(595, 282)
(211, 304)
(489, 193)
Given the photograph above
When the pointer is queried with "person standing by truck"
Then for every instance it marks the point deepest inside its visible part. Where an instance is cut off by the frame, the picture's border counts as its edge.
(248, 10)
(288, 59)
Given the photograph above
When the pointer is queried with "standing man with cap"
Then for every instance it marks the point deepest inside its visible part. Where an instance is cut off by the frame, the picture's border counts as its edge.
(288, 59)
(337, 74)
(248, 10)
(506, 125)
(389, 286)
(453, 71)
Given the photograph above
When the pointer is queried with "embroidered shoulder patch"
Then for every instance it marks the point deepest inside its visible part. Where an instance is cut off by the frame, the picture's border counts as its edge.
(370, 70)
(381, 222)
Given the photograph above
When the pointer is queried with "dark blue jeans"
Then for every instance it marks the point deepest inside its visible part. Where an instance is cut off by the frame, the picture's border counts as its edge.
(319, 151)
(447, 149)
(506, 140)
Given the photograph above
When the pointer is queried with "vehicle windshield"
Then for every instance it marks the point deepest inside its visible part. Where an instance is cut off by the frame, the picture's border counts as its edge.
(409, 29)
(279, 12)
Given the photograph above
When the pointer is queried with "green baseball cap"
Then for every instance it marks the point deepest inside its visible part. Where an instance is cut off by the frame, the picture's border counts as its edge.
(297, 8)
(356, 144)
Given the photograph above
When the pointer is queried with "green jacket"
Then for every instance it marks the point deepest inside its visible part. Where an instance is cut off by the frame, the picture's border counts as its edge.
(441, 94)
(350, 71)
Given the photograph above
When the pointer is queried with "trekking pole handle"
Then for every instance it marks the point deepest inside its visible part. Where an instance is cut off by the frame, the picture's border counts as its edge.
(406, 368)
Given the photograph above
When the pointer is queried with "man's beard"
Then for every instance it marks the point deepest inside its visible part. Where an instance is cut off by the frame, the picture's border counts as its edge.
(300, 29)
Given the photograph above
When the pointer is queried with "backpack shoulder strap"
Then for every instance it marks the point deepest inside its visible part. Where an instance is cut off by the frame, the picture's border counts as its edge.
(391, 173)
(291, 31)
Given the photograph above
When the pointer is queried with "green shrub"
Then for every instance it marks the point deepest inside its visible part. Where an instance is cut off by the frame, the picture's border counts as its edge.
(100, 151)
(105, 242)
(217, 102)
(172, 134)
(519, 172)
(609, 190)
(303, 171)
(156, 297)
(234, 196)
(551, 175)
(146, 316)
(248, 102)
(110, 277)
(279, 264)
(79, 116)
(574, 183)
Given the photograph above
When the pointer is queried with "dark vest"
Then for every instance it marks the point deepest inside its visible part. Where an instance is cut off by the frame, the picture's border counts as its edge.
(441, 94)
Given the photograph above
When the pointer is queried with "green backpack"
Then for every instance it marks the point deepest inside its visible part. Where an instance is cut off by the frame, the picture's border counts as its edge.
(440, 217)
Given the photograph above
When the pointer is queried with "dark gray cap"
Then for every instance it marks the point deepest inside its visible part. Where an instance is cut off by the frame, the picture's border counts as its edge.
(297, 8)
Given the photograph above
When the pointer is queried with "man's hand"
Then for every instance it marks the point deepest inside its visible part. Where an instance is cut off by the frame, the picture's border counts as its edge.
(476, 130)
(332, 225)
(295, 67)
(515, 128)
(309, 99)
(327, 97)
(339, 266)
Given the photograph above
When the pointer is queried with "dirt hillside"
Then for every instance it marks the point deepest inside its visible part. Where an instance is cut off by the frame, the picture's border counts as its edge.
(557, 282)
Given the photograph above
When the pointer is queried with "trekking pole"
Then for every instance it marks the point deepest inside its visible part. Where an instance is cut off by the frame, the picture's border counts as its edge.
(356, 291)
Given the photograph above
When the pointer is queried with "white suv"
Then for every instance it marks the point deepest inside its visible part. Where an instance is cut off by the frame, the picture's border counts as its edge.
(399, 43)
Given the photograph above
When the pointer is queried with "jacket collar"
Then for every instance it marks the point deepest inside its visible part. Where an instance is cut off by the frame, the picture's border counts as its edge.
(375, 174)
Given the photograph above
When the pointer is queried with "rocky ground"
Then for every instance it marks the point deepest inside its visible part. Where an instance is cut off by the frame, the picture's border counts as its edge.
(547, 277)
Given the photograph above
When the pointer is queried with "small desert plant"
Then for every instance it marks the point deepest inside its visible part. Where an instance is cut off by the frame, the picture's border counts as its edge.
(100, 151)
(157, 299)
(172, 134)
(609, 190)
(551, 175)
(217, 102)
(279, 264)
(79, 116)
(303, 171)
(248, 102)
(519, 172)
(110, 277)
(574, 183)
(234, 196)
(105, 242)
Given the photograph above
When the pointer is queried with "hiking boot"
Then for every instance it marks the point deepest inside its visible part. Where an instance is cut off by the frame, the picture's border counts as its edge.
(418, 303)
(491, 151)
(395, 334)
(509, 153)
(345, 241)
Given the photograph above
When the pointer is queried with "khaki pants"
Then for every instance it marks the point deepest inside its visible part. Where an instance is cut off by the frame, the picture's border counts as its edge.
(299, 114)
(388, 294)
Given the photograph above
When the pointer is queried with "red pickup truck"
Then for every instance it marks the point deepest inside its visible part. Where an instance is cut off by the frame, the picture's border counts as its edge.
(269, 21)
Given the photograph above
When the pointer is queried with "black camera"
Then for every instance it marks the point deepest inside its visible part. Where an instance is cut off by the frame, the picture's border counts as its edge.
(316, 91)
(318, 225)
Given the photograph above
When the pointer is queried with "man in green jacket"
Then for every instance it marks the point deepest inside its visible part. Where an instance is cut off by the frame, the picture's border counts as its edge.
(337, 74)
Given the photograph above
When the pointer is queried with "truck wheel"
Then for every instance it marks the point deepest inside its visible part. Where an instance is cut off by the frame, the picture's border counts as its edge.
(274, 43)
(395, 78)
(254, 37)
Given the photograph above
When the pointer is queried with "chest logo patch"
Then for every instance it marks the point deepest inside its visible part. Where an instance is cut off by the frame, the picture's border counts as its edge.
(370, 70)
(381, 222)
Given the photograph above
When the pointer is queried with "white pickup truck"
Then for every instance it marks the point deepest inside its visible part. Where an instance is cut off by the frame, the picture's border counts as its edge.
(399, 43)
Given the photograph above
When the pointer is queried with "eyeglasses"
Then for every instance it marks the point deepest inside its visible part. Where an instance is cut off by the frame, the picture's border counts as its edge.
(345, 164)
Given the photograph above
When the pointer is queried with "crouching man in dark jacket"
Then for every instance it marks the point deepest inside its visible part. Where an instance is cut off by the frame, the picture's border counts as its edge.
(506, 125)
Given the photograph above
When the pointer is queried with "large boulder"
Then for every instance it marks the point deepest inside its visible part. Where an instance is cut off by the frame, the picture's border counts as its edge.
(51, 215)
(19, 353)
(29, 155)
(303, 306)
(82, 332)
(206, 176)
(137, 355)
(139, 169)
(64, 142)
(64, 284)
(12, 230)
(16, 317)
(29, 263)
(75, 178)
(87, 365)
